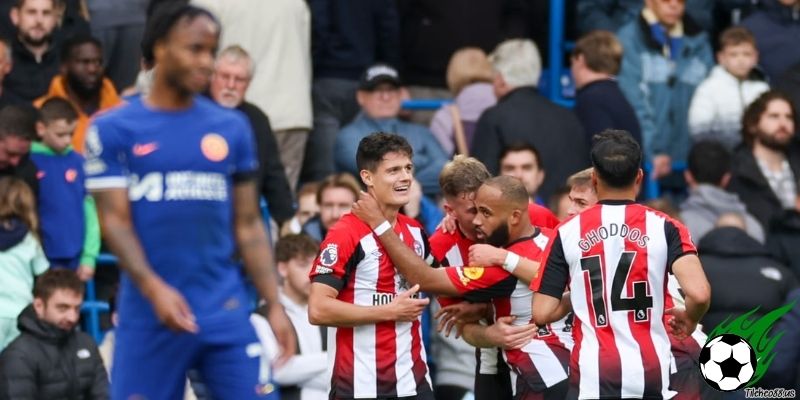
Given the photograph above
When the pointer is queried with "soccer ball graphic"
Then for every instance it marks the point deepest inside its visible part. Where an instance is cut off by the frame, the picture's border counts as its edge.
(727, 362)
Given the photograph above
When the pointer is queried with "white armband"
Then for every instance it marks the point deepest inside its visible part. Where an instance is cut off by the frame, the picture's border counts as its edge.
(382, 228)
(511, 262)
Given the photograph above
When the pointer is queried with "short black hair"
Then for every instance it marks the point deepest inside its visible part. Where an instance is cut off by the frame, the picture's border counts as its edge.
(372, 148)
(709, 161)
(163, 19)
(291, 246)
(18, 121)
(76, 41)
(522, 146)
(616, 158)
(56, 108)
(57, 279)
(19, 3)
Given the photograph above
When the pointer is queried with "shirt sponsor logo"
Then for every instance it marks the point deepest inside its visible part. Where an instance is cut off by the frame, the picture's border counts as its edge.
(141, 150)
(473, 273)
(179, 185)
(329, 255)
(595, 236)
(323, 270)
(214, 147)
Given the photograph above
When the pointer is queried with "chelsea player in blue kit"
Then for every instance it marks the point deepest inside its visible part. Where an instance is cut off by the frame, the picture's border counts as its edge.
(173, 177)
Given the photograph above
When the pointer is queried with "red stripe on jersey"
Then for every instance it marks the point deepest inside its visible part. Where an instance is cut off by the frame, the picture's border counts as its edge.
(574, 366)
(343, 377)
(609, 363)
(635, 218)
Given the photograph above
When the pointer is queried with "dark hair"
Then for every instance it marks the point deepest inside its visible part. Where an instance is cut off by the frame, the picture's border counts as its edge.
(56, 108)
(601, 51)
(372, 148)
(734, 36)
(19, 3)
(291, 246)
(616, 158)
(522, 146)
(709, 161)
(752, 114)
(18, 121)
(163, 19)
(76, 41)
(56, 279)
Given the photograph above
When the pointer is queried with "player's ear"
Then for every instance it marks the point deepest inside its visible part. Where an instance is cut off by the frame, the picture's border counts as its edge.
(366, 178)
(282, 269)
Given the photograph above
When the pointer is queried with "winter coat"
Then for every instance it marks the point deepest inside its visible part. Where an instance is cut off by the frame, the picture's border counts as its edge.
(660, 89)
(776, 28)
(523, 115)
(706, 203)
(471, 101)
(736, 264)
(600, 105)
(21, 259)
(789, 83)
(718, 104)
(48, 363)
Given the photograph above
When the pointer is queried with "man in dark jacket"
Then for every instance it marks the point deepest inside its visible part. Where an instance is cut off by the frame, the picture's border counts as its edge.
(229, 83)
(776, 27)
(523, 115)
(735, 263)
(17, 131)
(51, 359)
(599, 103)
(789, 83)
(767, 165)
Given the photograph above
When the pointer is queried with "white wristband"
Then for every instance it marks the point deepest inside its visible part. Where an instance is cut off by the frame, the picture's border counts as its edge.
(512, 260)
(382, 228)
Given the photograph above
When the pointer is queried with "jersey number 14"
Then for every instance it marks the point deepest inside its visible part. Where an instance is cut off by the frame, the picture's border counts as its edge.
(639, 303)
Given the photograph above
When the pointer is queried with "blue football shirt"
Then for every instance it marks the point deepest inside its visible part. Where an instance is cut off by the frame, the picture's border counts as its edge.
(179, 168)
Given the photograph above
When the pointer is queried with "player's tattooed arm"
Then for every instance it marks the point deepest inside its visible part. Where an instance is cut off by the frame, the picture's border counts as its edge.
(500, 334)
(485, 255)
(254, 248)
(324, 308)
(113, 208)
(412, 266)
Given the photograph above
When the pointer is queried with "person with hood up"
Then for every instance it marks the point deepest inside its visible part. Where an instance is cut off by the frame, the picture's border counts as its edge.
(21, 255)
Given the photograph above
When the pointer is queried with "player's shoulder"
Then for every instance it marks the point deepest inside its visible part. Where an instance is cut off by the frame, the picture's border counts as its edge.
(440, 237)
(408, 221)
(210, 109)
(120, 112)
(349, 226)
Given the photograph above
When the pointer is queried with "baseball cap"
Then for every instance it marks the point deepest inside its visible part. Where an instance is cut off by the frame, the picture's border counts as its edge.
(377, 74)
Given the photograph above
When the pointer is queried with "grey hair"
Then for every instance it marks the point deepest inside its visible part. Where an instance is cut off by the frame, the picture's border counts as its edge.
(518, 62)
(237, 53)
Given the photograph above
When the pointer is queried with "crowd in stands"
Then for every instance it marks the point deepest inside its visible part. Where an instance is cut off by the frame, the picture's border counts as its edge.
(711, 89)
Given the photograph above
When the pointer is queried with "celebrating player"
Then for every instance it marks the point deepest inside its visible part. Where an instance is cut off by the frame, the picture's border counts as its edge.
(539, 360)
(377, 344)
(614, 259)
(173, 177)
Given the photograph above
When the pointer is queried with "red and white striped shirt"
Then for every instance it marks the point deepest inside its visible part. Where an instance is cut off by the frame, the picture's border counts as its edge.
(542, 363)
(615, 258)
(380, 360)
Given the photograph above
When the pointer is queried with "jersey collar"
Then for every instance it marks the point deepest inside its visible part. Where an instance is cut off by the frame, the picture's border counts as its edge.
(616, 202)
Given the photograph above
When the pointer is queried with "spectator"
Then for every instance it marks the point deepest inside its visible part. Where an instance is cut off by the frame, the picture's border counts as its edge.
(719, 101)
(304, 375)
(346, 38)
(119, 24)
(277, 34)
(666, 57)
(582, 194)
(611, 15)
(432, 30)
(35, 48)
(523, 115)
(790, 84)
(783, 372)
(776, 27)
(307, 208)
(17, 130)
(70, 231)
(599, 102)
(21, 254)
(766, 168)
(523, 161)
(379, 97)
(82, 83)
(233, 73)
(735, 263)
(335, 195)
(708, 175)
(51, 359)
(6, 64)
(469, 79)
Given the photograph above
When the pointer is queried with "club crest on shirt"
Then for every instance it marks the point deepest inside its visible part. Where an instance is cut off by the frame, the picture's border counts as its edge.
(214, 147)
(418, 248)
(71, 175)
(329, 255)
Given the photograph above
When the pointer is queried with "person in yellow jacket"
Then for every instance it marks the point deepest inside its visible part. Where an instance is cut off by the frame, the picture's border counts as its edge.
(81, 82)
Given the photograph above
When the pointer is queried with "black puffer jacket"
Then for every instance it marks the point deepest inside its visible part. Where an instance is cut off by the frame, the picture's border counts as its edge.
(742, 275)
(48, 363)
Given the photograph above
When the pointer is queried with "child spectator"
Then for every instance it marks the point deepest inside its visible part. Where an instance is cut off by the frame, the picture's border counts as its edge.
(70, 231)
(719, 102)
(21, 256)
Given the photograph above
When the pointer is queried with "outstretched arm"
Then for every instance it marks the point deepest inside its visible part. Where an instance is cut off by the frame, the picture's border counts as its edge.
(486, 255)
